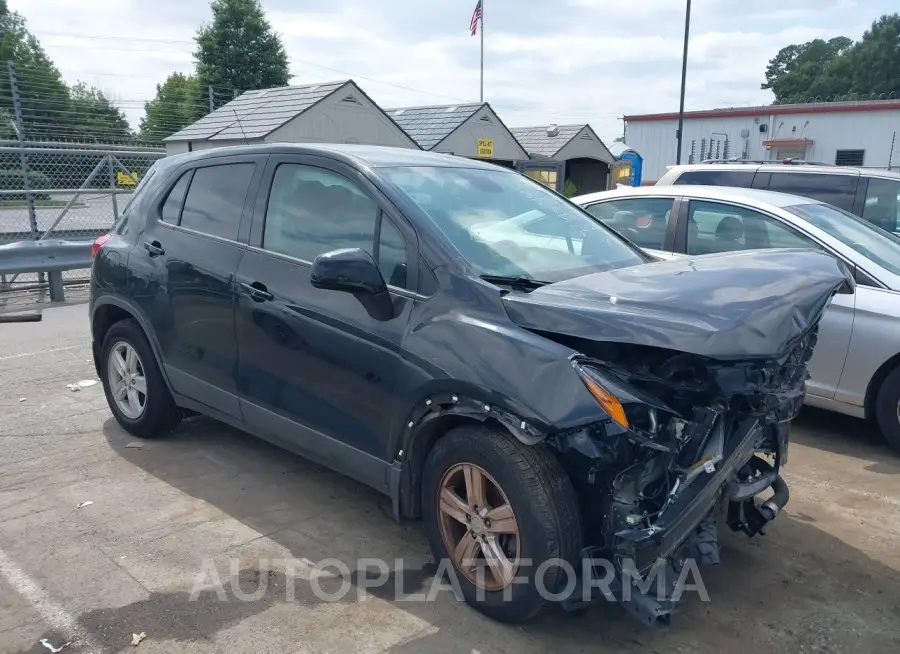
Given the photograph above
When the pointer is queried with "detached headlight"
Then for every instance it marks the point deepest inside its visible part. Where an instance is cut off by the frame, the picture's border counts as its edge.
(627, 406)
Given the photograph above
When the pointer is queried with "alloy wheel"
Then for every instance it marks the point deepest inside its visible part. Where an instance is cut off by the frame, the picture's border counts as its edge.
(127, 382)
(478, 526)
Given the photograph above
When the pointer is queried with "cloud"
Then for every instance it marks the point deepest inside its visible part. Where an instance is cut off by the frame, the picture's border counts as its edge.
(568, 61)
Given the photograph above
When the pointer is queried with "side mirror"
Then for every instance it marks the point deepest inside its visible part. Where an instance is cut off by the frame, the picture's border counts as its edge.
(354, 271)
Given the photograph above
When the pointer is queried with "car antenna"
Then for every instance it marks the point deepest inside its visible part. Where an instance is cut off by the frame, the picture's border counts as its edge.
(238, 119)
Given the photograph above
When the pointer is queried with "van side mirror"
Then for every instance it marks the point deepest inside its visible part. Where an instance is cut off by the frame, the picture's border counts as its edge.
(354, 271)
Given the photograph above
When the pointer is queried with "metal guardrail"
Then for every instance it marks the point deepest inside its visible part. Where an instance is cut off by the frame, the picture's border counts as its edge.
(47, 256)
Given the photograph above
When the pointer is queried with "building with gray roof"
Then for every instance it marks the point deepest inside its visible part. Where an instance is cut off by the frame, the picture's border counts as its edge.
(585, 160)
(466, 130)
(329, 112)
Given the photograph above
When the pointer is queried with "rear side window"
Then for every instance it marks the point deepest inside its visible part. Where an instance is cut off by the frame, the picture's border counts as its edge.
(838, 190)
(882, 207)
(215, 199)
(171, 208)
(739, 178)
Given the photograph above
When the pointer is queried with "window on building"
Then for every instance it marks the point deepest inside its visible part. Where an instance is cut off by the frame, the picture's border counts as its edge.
(718, 227)
(839, 190)
(740, 178)
(643, 221)
(313, 210)
(171, 208)
(849, 157)
(215, 199)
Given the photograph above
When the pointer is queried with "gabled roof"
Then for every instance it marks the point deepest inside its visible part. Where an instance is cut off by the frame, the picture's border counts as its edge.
(257, 113)
(428, 126)
(545, 140)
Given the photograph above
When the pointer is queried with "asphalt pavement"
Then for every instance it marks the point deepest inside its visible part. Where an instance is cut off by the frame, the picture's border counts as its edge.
(212, 541)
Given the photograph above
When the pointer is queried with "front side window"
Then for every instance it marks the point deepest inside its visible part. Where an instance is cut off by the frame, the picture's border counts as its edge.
(718, 227)
(882, 207)
(215, 199)
(879, 246)
(643, 221)
(312, 211)
(504, 224)
(839, 190)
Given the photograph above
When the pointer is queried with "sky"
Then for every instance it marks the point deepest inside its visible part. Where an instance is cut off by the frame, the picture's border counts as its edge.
(565, 61)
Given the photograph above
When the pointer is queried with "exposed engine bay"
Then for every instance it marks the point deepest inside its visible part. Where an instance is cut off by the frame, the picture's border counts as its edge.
(696, 434)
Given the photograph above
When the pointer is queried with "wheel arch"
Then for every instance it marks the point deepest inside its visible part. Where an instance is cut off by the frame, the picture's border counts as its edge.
(876, 381)
(106, 312)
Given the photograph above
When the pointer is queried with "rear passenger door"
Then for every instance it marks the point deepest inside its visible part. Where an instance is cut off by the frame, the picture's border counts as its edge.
(316, 370)
(721, 227)
(183, 270)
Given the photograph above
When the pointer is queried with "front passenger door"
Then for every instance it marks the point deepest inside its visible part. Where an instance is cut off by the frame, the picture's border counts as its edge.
(314, 367)
(721, 227)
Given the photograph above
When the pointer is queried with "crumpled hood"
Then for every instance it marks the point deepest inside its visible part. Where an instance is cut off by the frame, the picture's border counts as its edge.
(739, 305)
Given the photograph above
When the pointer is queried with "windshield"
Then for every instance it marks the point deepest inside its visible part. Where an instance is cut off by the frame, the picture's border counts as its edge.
(507, 225)
(874, 243)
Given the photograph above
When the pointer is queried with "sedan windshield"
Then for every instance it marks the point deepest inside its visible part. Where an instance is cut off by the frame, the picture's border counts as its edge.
(506, 225)
(874, 243)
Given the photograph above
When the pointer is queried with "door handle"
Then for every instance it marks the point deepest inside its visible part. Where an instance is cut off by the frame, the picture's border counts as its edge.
(258, 292)
(155, 248)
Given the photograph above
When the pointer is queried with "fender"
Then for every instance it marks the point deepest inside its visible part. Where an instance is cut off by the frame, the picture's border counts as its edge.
(142, 320)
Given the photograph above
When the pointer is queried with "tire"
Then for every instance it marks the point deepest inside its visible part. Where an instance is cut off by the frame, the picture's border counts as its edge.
(887, 409)
(546, 514)
(159, 414)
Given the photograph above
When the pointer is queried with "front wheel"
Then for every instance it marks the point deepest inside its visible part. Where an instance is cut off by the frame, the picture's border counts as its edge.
(134, 386)
(887, 409)
(505, 516)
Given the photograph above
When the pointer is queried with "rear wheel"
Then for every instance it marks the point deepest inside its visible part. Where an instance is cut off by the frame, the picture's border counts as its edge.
(135, 389)
(887, 409)
(497, 510)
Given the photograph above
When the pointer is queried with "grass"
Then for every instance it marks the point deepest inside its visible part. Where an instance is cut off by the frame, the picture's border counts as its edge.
(39, 204)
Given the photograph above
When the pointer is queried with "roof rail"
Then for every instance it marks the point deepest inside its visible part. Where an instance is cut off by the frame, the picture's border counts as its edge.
(786, 162)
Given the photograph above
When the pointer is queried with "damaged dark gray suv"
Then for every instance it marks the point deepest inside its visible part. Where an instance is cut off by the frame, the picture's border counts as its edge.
(531, 405)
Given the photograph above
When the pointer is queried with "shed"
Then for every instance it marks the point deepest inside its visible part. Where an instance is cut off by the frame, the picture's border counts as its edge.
(585, 158)
(330, 112)
(467, 130)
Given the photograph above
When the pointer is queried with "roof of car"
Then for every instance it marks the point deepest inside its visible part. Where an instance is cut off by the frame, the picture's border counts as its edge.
(825, 169)
(372, 156)
(723, 193)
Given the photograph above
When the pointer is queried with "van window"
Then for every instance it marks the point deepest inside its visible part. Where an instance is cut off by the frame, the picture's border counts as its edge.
(882, 207)
(739, 178)
(215, 199)
(839, 190)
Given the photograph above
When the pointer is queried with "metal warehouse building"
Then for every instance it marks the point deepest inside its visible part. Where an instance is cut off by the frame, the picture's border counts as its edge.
(861, 133)
(332, 112)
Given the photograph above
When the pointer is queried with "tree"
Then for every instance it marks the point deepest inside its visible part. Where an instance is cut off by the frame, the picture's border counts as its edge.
(799, 72)
(94, 118)
(239, 50)
(875, 60)
(176, 105)
(43, 95)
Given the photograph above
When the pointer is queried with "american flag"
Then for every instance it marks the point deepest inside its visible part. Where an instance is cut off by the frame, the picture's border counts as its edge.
(476, 16)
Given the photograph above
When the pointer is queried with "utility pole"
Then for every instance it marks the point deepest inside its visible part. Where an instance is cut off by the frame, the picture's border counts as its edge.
(684, 56)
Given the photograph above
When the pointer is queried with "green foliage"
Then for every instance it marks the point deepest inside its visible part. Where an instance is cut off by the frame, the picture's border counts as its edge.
(175, 106)
(239, 50)
(95, 118)
(569, 189)
(839, 67)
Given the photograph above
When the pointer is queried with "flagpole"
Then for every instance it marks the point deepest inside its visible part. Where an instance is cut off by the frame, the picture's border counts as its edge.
(481, 94)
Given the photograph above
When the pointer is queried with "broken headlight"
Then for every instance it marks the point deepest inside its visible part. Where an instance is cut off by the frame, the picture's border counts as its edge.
(628, 407)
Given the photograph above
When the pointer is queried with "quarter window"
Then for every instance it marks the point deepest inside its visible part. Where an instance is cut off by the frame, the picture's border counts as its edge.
(838, 190)
(643, 221)
(215, 199)
(313, 210)
(716, 227)
(171, 208)
(882, 207)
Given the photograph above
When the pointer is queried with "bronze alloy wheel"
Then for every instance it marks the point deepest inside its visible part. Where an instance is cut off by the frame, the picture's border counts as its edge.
(478, 526)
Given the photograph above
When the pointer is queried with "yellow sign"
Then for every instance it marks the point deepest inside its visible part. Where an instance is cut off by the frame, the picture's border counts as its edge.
(486, 148)
(124, 179)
